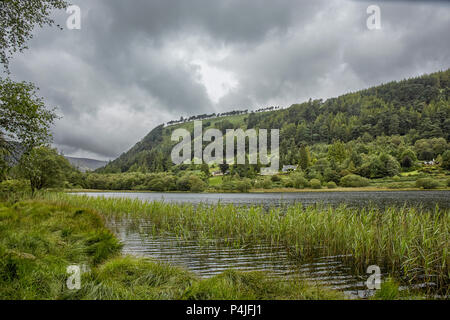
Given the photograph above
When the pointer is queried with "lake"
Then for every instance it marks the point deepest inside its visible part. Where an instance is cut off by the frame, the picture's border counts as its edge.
(426, 199)
(214, 257)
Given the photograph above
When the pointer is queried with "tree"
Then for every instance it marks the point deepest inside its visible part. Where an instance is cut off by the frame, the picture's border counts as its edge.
(23, 118)
(337, 152)
(23, 115)
(44, 168)
(205, 169)
(304, 157)
(446, 160)
(18, 19)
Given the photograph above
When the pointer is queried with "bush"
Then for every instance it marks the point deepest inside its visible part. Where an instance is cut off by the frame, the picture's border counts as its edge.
(354, 181)
(244, 185)
(427, 183)
(196, 184)
(331, 185)
(275, 178)
(299, 181)
(315, 184)
(448, 182)
(14, 186)
(263, 184)
(288, 183)
(191, 183)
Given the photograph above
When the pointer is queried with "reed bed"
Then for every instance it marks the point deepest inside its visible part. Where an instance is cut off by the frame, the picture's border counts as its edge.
(409, 242)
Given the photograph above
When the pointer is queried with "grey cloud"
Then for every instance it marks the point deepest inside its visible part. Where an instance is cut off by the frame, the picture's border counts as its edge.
(132, 65)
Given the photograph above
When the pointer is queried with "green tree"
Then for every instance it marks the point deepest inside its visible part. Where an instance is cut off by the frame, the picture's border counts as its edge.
(305, 159)
(44, 168)
(23, 118)
(205, 169)
(18, 19)
(337, 152)
(446, 160)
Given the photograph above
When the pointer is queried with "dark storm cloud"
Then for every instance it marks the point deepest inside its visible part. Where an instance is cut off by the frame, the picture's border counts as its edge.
(136, 64)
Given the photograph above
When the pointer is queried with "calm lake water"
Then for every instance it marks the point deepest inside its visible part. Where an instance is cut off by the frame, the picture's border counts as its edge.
(215, 256)
(426, 199)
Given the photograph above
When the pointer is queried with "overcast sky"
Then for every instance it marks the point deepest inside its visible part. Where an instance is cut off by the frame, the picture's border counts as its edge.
(136, 64)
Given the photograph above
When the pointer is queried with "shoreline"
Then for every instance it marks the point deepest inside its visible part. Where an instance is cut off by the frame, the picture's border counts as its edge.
(274, 190)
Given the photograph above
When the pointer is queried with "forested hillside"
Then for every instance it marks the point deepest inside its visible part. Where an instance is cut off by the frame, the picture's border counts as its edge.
(414, 113)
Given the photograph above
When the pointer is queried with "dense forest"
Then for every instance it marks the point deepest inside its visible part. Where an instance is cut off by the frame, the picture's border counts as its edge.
(410, 117)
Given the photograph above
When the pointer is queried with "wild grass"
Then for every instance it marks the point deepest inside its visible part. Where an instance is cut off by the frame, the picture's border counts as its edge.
(39, 239)
(410, 243)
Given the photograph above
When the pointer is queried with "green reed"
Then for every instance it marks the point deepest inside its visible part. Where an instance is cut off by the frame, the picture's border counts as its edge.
(406, 241)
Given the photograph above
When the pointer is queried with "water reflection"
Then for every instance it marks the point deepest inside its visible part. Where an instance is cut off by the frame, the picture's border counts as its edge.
(212, 258)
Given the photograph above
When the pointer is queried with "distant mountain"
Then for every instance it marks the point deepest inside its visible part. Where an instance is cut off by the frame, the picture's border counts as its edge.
(417, 108)
(84, 164)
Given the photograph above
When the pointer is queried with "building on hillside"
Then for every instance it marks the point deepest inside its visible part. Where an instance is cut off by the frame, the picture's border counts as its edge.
(288, 168)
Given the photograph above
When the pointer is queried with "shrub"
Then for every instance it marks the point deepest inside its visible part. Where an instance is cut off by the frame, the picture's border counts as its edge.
(244, 185)
(288, 183)
(315, 184)
(389, 290)
(196, 184)
(448, 182)
(331, 185)
(263, 184)
(299, 181)
(14, 186)
(353, 180)
(275, 178)
(427, 183)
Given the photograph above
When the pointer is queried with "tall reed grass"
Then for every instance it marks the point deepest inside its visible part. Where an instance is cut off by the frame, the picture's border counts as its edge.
(409, 242)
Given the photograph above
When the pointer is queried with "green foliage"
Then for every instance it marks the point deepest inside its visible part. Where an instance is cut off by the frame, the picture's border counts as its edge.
(263, 183)
(337, 152)
(361, 234)
(368, 133)
(39, 239)
(428, 149)
(44, 168)
(446, 160)
(427, 183)
(23, 118)
(191, 183)
(19, 18)
(353, 180)
(389, 290)
(331, 185)
(299, 181)
(14, 186)
(315, 184)
(305, 160)
(244, 185)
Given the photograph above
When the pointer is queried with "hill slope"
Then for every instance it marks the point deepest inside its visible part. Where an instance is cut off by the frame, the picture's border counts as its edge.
(84, 164)
(417, 108)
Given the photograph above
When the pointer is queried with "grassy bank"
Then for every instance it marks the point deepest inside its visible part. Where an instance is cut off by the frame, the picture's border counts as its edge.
(39, 239)
(406, 242)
